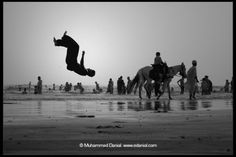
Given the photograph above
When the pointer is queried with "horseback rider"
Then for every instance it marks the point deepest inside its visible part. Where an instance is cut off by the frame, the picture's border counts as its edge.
(158, 73)
(160, 67)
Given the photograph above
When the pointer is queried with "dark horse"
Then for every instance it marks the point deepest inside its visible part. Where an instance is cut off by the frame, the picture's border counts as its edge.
(142, 77)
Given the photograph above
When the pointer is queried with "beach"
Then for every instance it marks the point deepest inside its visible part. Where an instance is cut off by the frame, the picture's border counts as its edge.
(63, 123)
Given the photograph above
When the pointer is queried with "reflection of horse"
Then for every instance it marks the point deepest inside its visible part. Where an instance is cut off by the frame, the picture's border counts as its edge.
(142, 76)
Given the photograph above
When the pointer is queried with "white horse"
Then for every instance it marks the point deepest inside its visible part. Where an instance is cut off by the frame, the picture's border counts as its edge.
(142, 76)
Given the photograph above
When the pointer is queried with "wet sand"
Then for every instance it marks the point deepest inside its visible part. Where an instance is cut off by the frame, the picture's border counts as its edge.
(172, 130)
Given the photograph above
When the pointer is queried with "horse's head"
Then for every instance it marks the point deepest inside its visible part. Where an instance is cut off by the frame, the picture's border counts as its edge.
(183, 71)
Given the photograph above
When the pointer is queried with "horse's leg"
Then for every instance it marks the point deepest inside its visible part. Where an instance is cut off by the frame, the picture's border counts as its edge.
(146, 88)
(140, 89)
(168, 85)
(135, 89)
(163, 88)
(157, 88)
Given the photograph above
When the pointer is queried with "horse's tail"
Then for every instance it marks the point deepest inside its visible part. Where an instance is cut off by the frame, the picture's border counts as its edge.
(133, 83)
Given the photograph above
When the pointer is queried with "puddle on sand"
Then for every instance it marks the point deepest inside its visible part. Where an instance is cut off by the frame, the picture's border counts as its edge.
(73, 109)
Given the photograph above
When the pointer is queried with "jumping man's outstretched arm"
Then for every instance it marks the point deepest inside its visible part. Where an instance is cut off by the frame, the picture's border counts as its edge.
(82, 59)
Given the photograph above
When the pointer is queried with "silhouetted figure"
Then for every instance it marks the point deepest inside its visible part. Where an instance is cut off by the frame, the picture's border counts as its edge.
(35, 89)
(226, 87)
(232, 84)
(158, 73)
(72, 54)
(24, 92)
(209, 85)
(98, 89)
(120, 85)
(70, 86)
(192, 80)
(61, 86)
(67, 87)
(53, 87)
(204, 86)
(180, 82)
(160, 69)
(80, 87)
(29, 86)
(110, 86)
(39, 85)
(128, 83)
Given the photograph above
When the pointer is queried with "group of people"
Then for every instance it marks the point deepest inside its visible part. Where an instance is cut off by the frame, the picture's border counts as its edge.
(206, 85)
(158, 74)
(161, 69)
(80, 87)
(227, 85)
(38, 88)
(121, 87)
(97, 88)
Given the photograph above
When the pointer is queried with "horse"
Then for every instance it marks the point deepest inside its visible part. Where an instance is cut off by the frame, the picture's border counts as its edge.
(142, 76)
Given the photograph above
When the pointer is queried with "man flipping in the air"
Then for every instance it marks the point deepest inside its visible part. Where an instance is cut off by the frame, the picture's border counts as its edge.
(72, 54)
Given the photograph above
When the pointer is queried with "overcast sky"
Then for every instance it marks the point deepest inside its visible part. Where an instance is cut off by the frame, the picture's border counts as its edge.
(118, 38)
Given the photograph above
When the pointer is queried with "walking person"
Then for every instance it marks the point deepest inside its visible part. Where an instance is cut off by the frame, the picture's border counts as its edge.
(192, 80)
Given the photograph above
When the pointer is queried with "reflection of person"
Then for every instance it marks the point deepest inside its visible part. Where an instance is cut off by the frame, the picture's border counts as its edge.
(192, 80)
(72, 54)
(128, 83)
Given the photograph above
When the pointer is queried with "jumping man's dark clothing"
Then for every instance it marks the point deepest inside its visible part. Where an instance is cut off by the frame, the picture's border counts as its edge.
(72, 54)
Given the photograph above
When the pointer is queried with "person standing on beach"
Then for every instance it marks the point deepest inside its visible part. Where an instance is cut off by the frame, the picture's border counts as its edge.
(192, 80)
(98, 89)
(180, 82)
(72, 54)
(226, 87)
(29, 86)
(209, 84)
(110, 86)
(128, 83)
(39, 85)
(53, 86)
(232, 85)
(204, 86)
